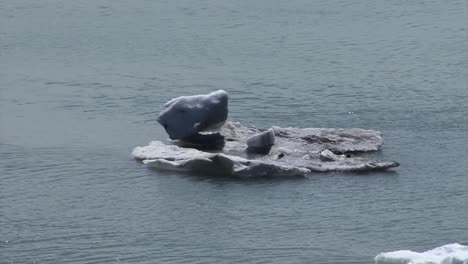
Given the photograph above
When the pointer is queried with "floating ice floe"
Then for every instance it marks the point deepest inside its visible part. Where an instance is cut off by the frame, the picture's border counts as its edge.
(296, 152)
(448, 254)
(247, 151)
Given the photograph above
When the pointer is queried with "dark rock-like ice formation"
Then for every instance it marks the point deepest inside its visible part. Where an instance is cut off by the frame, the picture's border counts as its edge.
(247, 151)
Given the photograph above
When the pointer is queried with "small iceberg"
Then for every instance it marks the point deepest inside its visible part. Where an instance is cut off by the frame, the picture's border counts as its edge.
(261, 142)
(448, 254)
(202, 140)
(183, 117)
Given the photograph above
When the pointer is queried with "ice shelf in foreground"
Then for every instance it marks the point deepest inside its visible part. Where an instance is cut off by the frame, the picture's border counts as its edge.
(448, 254)
(296, 152)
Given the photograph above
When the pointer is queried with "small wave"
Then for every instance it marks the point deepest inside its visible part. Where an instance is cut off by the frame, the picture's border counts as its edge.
(448, 254)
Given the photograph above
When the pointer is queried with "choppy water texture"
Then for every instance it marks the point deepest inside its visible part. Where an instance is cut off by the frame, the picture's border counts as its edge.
(82, 81)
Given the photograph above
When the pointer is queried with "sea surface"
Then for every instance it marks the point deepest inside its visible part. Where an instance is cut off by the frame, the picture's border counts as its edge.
(82, 83)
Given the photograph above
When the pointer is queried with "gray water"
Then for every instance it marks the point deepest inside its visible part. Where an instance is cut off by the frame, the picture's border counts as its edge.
(82, 83)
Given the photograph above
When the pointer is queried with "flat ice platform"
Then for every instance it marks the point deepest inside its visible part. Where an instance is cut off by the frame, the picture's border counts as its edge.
(297, 151)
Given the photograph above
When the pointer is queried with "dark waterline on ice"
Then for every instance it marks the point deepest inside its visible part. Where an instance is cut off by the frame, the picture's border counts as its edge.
(82, 82)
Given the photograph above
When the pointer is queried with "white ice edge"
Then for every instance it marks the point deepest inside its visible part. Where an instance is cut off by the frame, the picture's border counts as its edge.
(447, 254)
(168, 157)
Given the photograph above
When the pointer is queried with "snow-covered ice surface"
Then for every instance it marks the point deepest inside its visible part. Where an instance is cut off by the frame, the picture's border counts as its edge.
(301, 147)
(448, 254)
(296, 152)
(310, 139)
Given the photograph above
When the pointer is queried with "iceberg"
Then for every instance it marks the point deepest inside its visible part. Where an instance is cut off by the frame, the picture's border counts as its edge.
(183, 117)
(448, 254)
(246, 151)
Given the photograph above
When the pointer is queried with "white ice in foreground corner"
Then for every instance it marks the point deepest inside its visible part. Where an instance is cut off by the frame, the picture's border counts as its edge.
(448, 254)
(185, 116)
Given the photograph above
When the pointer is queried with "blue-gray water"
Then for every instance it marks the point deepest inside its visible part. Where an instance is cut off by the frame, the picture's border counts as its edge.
(82, 82)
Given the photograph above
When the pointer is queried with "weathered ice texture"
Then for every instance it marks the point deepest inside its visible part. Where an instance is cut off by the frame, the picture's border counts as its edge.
(296, 152)
(301, 147)
(309, 139)
(183, 117)
(261, 142)
(170, 157)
